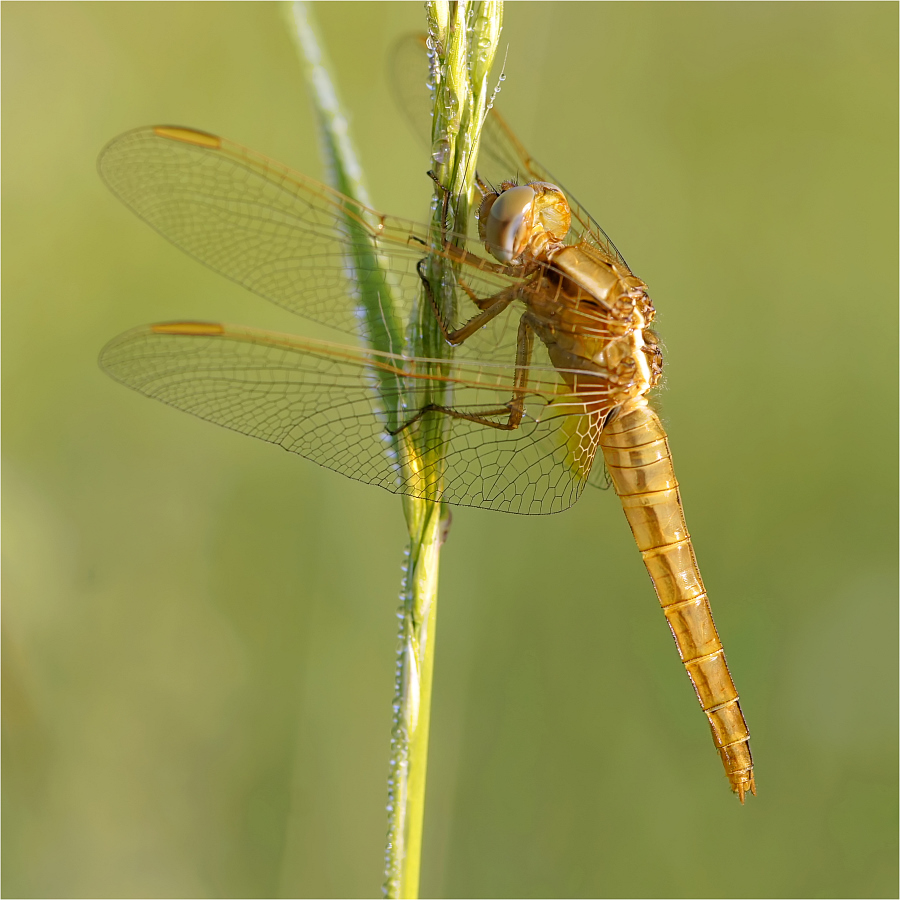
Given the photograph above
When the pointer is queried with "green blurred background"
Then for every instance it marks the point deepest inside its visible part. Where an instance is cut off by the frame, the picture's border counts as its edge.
(199, 630)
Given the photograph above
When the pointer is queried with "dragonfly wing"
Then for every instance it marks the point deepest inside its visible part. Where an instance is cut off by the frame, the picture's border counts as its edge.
(410, 82)
(278, 233)
(503, 151)
(287, 237)
(334, 405)
(501, 156)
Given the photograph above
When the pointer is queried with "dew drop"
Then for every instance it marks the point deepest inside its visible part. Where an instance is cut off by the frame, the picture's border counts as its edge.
(441, 151)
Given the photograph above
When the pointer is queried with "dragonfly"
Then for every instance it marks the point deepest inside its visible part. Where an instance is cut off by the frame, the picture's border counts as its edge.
(554, 355)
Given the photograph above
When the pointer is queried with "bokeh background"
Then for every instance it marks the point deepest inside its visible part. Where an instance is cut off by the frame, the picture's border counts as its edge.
(199, 629)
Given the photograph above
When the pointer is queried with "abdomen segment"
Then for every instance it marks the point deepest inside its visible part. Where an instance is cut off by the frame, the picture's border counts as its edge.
(637, 456)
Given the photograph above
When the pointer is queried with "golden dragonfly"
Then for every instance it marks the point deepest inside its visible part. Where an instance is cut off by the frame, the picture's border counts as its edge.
(554, 357)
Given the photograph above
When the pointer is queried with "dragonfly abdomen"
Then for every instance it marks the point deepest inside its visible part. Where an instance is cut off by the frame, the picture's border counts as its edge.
(637, 456)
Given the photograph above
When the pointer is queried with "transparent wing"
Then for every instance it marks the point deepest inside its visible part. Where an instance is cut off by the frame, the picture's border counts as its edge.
(501, 156)
(501, 151)
(409, 79)
(327, 402)
(287, 237)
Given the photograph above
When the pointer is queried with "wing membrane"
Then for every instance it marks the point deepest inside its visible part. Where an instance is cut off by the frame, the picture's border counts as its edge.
(283, 235)
(502, 151)
(326, 402)
(501, 155)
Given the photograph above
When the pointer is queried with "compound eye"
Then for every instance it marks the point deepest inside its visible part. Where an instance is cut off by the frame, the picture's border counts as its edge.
(508, 224)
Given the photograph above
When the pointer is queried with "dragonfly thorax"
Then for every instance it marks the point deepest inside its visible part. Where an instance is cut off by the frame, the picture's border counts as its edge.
(532, 217)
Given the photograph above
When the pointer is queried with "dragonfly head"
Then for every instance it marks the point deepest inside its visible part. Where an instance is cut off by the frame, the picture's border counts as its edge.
(523, 217)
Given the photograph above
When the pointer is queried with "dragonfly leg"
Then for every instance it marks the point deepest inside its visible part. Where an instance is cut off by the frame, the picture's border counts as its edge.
(483, 187)
(445, 202)
(433, 176)
(514, 409)
(490, 308)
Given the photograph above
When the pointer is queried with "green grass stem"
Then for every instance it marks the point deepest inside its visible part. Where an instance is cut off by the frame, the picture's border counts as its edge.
(462, 42)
